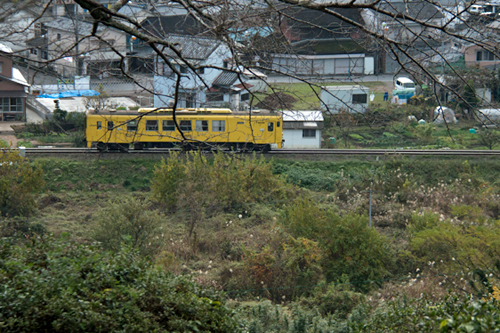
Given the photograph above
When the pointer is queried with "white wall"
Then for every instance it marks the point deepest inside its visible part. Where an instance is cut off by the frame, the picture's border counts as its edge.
(293, 139)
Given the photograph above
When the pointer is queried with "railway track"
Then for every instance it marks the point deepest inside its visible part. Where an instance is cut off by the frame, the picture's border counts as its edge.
(375, 152)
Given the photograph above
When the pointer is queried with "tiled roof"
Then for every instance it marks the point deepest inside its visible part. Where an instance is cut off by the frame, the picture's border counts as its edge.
(225, 79)
(193, 47)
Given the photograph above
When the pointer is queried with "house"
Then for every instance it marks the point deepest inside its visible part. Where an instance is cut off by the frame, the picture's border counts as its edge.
(92, 55)
(13, 88)
(323, 45)
(199, 52)
(234, 88)
(302, 129)
(404, 29)
(352, 99)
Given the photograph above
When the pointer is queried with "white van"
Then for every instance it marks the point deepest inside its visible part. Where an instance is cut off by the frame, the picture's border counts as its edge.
(404, 83)
(476, 9)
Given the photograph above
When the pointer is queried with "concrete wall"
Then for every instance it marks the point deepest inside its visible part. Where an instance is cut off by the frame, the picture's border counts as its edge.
(293, 139)
(340, 98)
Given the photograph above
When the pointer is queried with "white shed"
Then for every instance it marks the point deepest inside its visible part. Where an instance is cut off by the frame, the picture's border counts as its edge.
(350, 98)
(302, 129)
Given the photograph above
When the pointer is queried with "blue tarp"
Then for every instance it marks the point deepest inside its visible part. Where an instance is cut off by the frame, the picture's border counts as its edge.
(71, 93)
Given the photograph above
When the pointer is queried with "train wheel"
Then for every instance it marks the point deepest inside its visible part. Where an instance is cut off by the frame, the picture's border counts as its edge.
(138, 146)
(101, 146)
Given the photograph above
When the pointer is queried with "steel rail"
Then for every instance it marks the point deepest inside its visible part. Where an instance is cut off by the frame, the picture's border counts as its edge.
(377, 152)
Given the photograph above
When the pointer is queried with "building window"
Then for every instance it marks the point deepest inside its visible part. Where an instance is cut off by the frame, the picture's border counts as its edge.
(225, 64)
(110, 125)
(245, 97)
(1, 67)
(201, 70)
(168, 126)
(270, 127)
(58, 36)
(184, 69)
(45, 55)
(34, 51)
(132, 126)
(185, 125)
(218, 125)
(151, 125)
(99, 125)
(484, 55)
(202, 126)
(11, 105)
(308, 133)
(359, 98)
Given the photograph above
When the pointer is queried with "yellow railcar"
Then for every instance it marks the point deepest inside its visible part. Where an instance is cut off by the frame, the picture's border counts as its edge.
(201, 128)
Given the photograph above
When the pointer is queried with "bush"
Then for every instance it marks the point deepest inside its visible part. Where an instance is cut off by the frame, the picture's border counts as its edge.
(19, 181)
(226, 183)
(57, 286)
(453, 314)
(77, 119)
(350, 248)
(129, 221)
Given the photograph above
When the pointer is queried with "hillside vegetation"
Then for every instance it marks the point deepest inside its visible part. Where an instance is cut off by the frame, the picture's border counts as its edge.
(286, 242)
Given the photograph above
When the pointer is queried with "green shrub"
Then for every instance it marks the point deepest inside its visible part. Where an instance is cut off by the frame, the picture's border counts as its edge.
(26, 144)
(19, 181)
(226, 183)
(350, 248)
(338, 299)
(453, 314)
(77, 119)
(129, 221)
(56, 286)
(421, 221)
(78, 139)
(356, 136)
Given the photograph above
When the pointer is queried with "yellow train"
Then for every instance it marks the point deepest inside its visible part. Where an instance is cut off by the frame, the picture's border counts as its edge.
(191, 129)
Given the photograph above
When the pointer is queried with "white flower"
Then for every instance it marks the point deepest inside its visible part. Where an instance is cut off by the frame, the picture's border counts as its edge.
(240, 216)
(417, 270)
(210, 262)
(251, 236)
(453, 258)
(261, 282)
(230, 270)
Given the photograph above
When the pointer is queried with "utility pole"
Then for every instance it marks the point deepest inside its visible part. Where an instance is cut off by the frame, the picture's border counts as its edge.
(370, 211)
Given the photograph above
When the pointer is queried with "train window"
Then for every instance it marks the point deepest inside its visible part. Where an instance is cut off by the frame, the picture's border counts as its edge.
(110, 125)
(168, 125)
(308, 133)
(241, 123)
(132, 126)
(202, 126)
(185, 125)
(151, 125)
(270, 127)
(278, 124)
(218, 125)
(99, 125)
